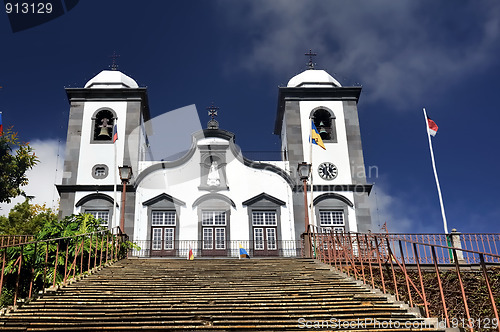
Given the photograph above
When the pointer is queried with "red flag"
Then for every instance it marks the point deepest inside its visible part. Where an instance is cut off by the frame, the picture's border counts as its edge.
(115, 133)
(432, 127)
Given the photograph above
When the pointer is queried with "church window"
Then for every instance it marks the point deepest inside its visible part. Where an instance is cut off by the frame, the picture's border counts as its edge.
(324, 120)
(103, 125)
(102, 215)
(163, 218)
(99, 171)
(333, 219)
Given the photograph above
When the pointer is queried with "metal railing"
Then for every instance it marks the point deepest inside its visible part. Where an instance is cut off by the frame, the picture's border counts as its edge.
(411, 269)
(180, 248)
(6, 240)
(30, 267)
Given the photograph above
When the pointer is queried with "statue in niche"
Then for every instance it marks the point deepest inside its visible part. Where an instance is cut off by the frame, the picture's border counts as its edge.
(213, 179)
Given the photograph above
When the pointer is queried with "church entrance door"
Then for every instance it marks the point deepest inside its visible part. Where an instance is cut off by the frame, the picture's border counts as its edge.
(214, 241)
(265, 243)
(163, 243)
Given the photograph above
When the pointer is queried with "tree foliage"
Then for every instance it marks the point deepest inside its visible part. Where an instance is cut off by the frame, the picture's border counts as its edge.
(16, 158)
(26, 219)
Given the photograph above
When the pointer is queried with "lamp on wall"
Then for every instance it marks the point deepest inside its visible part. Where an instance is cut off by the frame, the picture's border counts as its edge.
(125, 176)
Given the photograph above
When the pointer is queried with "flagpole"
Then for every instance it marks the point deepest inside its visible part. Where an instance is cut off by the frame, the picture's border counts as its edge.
(311, 213)
(443, 214)
(115, 167)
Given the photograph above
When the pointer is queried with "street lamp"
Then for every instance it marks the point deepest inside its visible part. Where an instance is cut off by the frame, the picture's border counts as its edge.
(125, 176)
(304, 170)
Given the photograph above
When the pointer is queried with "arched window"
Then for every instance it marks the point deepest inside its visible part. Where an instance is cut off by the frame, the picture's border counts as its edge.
(324, 120)
(103, 125)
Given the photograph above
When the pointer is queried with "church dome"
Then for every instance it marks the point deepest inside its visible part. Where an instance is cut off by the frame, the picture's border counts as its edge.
(313, 78)
(111, 79)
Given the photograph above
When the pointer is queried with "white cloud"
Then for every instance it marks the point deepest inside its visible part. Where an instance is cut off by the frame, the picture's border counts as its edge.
(43, 176)
(399, 49)
(400, 214)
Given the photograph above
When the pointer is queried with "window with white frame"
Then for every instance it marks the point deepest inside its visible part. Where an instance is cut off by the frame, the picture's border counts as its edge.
(213, 218)
(102, 215)
(264, 218)
(163, 218)
(332, 219)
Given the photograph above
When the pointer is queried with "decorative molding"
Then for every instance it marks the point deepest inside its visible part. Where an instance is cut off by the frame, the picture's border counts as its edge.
(71, 188)
(326, 196)
(263, 196)
(163, 197)
(91, 197)
(206, 197)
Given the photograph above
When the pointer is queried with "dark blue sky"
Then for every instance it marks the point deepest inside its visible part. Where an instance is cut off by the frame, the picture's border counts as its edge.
(406, 55)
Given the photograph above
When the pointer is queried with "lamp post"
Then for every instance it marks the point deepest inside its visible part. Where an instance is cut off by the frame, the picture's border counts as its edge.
(304, 170)
(125, 176)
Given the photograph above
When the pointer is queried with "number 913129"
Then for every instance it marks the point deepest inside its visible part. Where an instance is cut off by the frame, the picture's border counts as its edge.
(28, 8)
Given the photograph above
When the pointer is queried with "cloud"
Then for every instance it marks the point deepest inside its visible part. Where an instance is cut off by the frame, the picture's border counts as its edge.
(400, 50)
(43, 176)
(401, 213)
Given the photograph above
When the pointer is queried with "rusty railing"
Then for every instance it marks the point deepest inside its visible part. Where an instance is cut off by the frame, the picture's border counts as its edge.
(31, 267)
(410, 269)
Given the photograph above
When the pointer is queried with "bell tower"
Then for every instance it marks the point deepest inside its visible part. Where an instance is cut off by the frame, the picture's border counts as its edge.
(311, 99)
(102, 135)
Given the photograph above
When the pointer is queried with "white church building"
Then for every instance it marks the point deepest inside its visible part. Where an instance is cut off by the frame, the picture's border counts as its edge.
(212, 198)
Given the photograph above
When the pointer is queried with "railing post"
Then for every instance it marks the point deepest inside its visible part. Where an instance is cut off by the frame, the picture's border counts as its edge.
(369, 243)
(33, 261)
(3, 268)
(490, 293)
(417, 260)
(66, 261)
(433, 251)
(16, 291)
(391, 256)
(406, 273)
(55, 264)
(360, 255)
(45, 265)
(455, 242)
(464, 298)
(380, 265)
(90, 252)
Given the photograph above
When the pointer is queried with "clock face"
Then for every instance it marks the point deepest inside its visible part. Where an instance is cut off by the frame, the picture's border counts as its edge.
(328, 171)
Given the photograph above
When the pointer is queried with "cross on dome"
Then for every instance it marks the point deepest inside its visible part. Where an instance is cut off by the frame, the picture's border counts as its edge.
(310, 64)
(114, 65)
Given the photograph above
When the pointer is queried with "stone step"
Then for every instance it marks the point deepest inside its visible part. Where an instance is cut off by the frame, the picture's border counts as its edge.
(208, 295)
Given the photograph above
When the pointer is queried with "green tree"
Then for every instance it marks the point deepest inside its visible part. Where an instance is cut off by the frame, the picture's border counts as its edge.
(16, 158)
(26, 219)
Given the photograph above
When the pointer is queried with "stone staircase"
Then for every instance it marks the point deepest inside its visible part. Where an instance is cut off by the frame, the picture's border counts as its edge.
(214, 294)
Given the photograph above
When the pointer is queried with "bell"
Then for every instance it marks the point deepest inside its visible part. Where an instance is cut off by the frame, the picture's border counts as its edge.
(104, 134)
(322, 130)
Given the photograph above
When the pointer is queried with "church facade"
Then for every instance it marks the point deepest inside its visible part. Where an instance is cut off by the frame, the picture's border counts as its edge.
(213, 199)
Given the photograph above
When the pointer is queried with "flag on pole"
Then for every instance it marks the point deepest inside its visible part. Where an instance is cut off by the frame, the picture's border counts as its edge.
(115, 133)
(190, 255)
(431, 127)
(243, 252)
(1, 125)
(316, 137)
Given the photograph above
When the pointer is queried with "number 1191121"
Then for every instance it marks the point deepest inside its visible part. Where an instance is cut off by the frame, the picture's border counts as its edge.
(28, 8)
